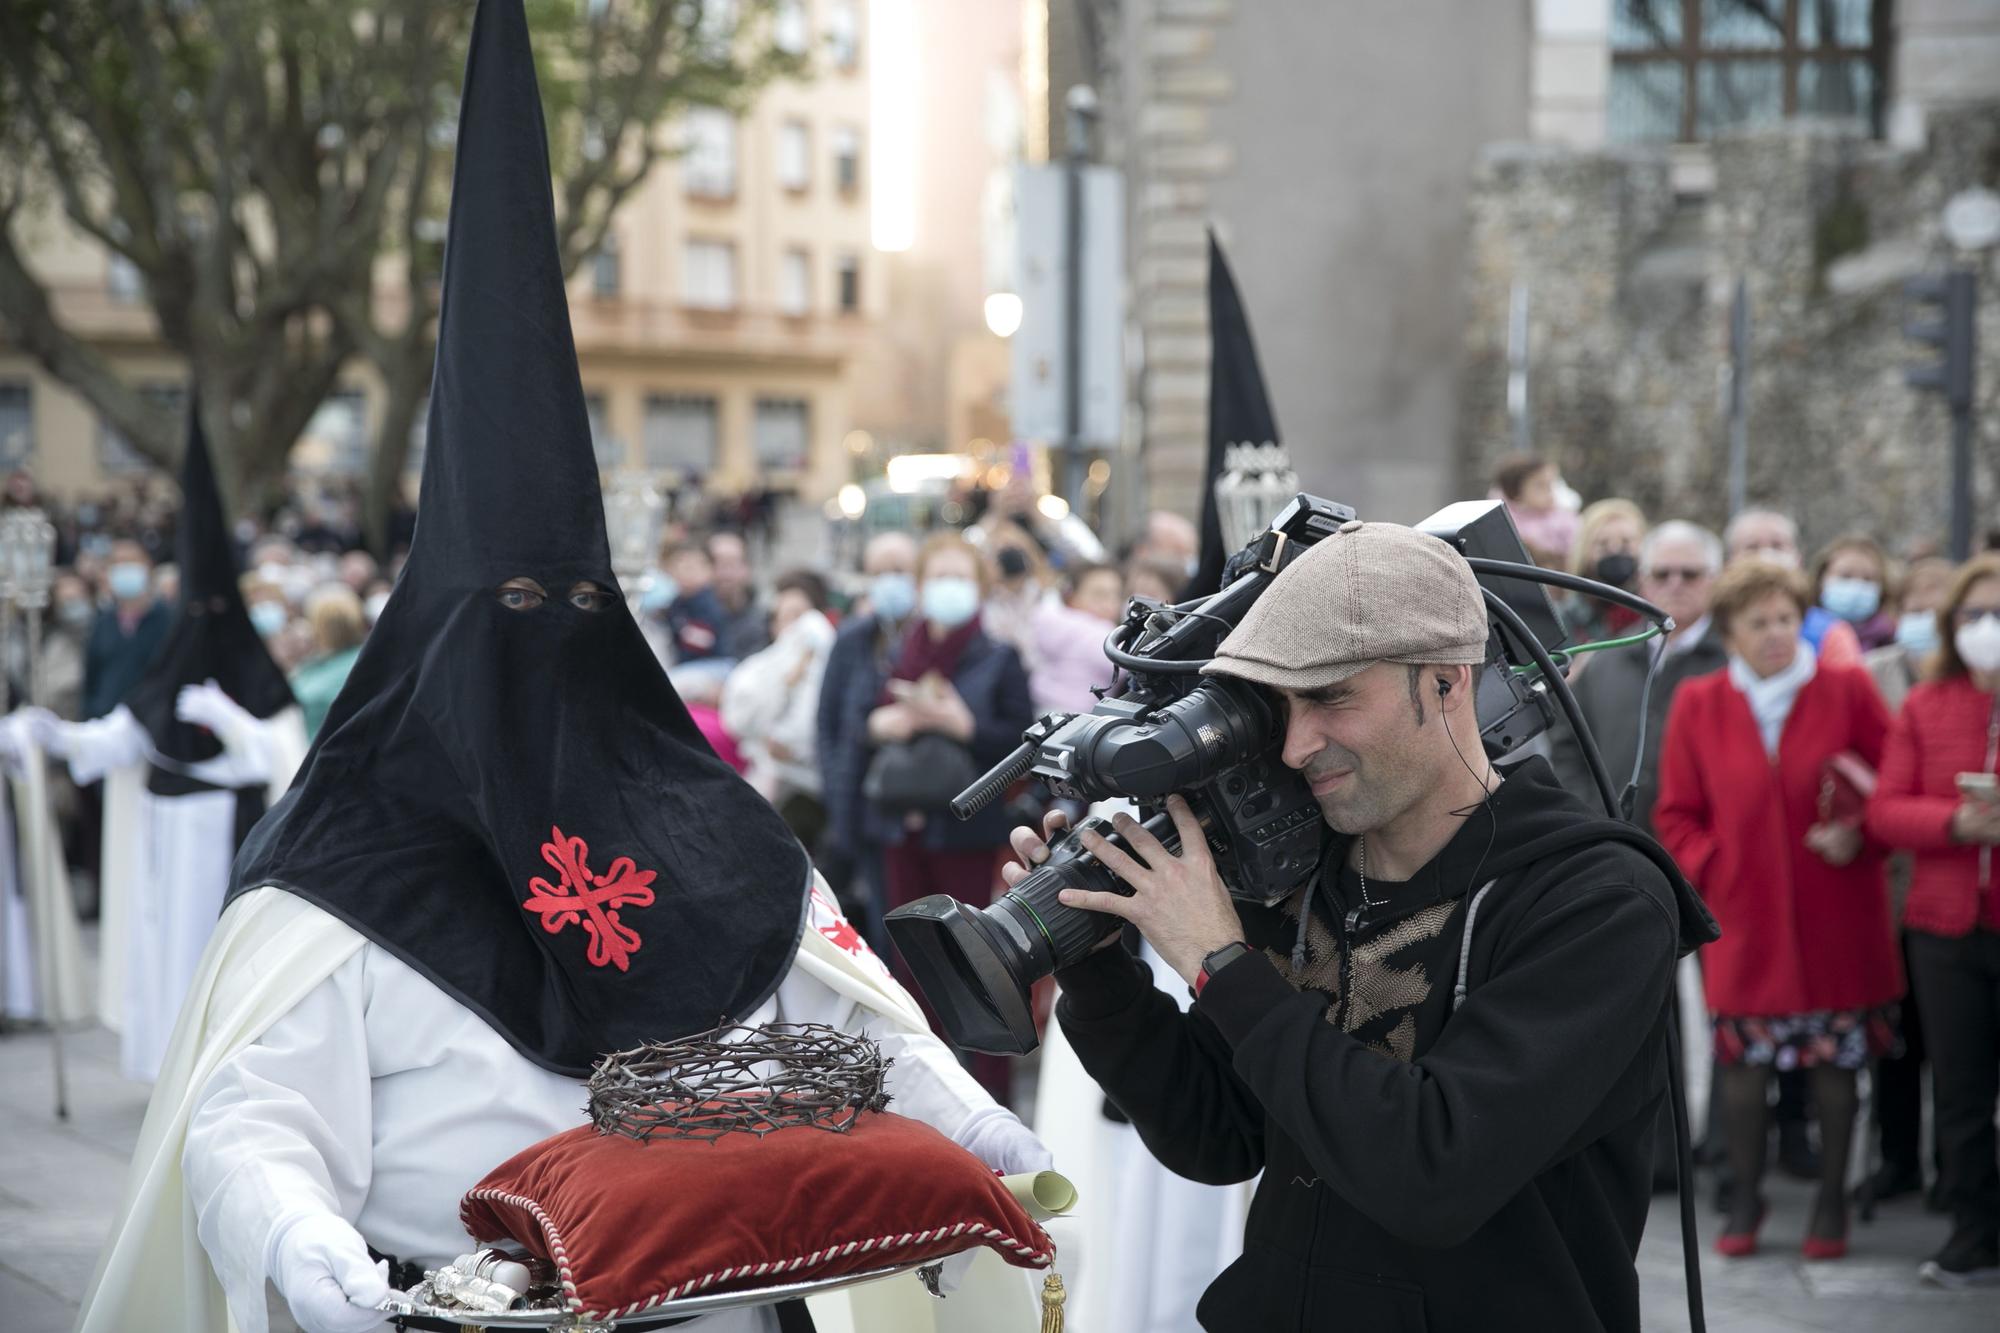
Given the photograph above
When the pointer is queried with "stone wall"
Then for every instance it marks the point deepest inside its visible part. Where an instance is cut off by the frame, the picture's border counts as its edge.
(1630, 286)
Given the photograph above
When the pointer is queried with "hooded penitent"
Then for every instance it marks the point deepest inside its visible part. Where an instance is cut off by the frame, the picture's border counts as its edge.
(1239, 410)
(507, 794)
(211, 638)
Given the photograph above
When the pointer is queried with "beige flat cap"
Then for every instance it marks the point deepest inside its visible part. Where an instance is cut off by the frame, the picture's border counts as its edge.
(1373, 592)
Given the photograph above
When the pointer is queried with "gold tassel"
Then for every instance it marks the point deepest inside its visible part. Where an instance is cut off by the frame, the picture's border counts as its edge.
(1052, 1303)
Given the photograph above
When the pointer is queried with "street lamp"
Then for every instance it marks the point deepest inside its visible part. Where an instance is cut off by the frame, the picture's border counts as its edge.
(633, 513)
(1256, 481)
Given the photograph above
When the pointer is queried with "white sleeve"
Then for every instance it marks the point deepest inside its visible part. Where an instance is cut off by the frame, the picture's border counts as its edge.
(282, 1129)
(250, 751)
(926, 1081)
(96, 747)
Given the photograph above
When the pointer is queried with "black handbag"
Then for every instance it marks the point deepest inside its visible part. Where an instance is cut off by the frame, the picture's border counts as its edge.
(919, 775)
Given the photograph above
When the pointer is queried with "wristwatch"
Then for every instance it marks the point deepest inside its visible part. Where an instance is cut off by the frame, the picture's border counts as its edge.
(1215, 962)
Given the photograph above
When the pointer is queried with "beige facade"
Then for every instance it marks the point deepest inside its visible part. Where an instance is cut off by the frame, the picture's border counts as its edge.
(715, 335)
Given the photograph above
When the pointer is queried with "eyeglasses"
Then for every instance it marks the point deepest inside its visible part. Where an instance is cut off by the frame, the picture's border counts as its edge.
(1670, 573)
(1968, 615)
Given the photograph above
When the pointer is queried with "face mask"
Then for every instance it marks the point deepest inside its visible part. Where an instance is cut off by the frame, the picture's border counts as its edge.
(373, 606)
(127, 581)
(75, 613)
(1916, 632)
(1616, 569)
(949, 602)
(1979, 643)
(661, 590)
(1850, 599)
(893, 595)
(269, 617)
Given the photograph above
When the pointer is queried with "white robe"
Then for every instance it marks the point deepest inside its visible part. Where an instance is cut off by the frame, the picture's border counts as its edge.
(314, 1070)
(41, 931)
(165, 868)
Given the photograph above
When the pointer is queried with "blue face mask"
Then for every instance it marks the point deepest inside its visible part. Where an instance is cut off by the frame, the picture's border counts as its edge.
(892, 595)
(1850, 599)
(268, 617)
(950, 602)
(1916, 632)
(127, 580)
(661, 590)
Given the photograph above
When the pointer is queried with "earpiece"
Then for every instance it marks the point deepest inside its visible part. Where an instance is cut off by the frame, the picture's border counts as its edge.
(1444, 687)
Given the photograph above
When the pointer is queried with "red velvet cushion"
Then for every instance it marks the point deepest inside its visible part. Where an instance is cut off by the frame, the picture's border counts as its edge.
(632, 1224)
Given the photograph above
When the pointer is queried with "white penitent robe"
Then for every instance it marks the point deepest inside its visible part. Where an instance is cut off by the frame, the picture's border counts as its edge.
(40, 929)
(315, 1071)
(165, 867)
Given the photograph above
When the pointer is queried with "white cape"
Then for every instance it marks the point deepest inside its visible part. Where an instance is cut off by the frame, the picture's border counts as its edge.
(47, 974)
(269, 951)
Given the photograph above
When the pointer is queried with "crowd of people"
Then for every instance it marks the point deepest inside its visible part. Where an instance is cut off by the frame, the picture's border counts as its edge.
(1815, 744)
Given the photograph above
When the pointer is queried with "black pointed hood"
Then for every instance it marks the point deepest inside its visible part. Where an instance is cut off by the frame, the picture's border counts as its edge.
(1239, 410)
(507, 793)
(211, 637)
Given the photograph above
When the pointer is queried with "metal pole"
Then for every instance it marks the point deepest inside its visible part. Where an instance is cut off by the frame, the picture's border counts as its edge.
(6, 683)
(1739, 379)
(1079, 103)
(44, 931)
(1961, 483)
(1517, 366)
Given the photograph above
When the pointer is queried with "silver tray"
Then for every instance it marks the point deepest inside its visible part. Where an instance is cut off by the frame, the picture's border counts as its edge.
(686, 1308)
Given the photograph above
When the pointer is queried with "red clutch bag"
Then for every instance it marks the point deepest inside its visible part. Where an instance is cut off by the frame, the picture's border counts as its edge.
(1845, 783)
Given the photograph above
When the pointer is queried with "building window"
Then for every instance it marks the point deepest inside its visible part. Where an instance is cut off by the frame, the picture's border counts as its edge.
(795, 282)
(606, 273)
(1684, 70)
(715, 30)
(792, 29)
(610, 452)
(794, 155)
(17, 423)
(680, 434)
(846, 158)
(784, 434)
(116, 454)
(708, 278)
(337, 436)
(848, 267)
(843, 35)
(709, 169)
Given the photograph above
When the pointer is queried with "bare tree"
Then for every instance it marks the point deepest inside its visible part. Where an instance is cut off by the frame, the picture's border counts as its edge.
(275, 172)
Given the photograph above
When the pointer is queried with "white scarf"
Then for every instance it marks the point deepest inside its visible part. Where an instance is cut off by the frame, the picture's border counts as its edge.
(1771, 697)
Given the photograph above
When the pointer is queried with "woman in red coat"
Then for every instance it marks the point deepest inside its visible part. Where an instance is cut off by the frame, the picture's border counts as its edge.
(1940, 754)
(1805, 974)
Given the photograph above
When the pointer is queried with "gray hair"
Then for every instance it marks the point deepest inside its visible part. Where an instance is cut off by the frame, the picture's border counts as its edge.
(1680, 530)
(1730, 533)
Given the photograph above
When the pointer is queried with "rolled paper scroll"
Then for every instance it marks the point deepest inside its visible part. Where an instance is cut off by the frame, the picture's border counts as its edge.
(1044, 1194)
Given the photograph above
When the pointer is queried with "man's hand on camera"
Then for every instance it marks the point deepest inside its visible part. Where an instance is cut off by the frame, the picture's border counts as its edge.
(1178, 902)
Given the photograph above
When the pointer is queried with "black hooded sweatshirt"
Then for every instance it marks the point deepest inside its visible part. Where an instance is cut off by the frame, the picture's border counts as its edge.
(1488, 1168)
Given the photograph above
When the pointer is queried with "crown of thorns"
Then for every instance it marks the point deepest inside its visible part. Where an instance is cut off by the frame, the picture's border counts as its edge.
(738, 1079)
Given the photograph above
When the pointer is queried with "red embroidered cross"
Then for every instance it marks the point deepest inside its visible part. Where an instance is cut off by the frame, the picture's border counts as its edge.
(592, 899)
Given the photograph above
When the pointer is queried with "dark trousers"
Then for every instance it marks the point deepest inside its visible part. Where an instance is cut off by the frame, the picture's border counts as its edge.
(1958, 987)
(1899, 1085)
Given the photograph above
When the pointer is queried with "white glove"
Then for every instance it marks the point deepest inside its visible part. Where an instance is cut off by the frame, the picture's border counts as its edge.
(321, 1266)
(207, 706)
(998, 1138)
(47, 730)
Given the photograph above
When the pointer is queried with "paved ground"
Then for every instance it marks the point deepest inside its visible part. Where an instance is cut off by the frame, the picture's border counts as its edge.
(60, 1182)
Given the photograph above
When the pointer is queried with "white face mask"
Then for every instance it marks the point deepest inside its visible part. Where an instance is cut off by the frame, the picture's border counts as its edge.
(1978, 644)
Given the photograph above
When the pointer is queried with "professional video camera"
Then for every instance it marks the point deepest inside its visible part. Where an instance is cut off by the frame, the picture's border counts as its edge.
(1167, 728)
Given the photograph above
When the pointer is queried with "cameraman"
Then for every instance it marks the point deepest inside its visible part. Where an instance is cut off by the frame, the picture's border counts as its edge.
(1422, 1168)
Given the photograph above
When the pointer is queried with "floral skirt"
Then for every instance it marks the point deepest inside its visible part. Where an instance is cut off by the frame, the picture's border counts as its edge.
(1843, 1038)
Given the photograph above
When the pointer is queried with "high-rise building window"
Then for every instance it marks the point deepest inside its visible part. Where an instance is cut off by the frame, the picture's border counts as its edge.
(848, 269)
(791, 28)
(795, 282)
(783, 433)
(846, 158)
(610, 452)
(17, 423)
(115, 453)
(680, 434)
(708, 276)
(794, 155)
(1684, 70)
(843, 34)
(709, 167)
(606, 274)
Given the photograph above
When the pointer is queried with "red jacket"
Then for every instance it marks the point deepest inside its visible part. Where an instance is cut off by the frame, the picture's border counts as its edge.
(1797, 934)
(1947, 727)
